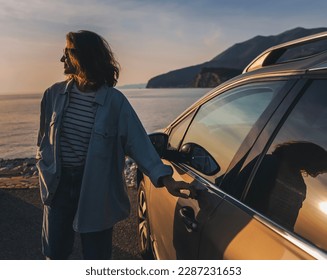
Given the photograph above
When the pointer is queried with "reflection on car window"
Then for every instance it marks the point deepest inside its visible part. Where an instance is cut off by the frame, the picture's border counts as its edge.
(177, 133)
(290, 186)
(221, 125)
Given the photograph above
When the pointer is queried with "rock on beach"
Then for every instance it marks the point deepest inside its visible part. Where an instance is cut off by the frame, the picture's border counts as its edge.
(18, 173)
(22, 173)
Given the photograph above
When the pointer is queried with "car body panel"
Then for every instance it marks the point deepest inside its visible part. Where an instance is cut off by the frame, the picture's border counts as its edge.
(170, 227)
(234, 234)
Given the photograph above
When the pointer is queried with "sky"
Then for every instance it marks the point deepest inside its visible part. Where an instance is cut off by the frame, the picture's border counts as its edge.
(148, 38)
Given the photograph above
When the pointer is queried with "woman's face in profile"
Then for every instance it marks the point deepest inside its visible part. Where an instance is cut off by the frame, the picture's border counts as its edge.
(66, 59)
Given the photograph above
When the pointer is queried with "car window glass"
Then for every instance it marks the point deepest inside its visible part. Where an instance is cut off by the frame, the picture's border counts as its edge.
(221, 124)
(178, 131)
(290, 186)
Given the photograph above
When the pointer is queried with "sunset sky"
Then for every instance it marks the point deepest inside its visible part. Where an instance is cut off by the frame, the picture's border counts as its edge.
(148, 37)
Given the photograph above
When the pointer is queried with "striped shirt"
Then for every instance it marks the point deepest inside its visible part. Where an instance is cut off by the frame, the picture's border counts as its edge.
(77, 124)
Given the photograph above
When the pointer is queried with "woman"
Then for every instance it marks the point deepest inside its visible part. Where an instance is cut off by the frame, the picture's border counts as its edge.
(86, 129)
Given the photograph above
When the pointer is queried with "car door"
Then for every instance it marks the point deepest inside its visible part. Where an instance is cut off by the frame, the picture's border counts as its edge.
(219, 128)
(282, 212)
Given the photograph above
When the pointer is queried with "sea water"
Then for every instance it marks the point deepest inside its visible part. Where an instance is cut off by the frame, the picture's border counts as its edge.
(19, 115)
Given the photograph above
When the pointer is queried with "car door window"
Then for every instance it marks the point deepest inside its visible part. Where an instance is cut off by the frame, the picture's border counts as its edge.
(222, 124)
(290, 186)
(177, 133)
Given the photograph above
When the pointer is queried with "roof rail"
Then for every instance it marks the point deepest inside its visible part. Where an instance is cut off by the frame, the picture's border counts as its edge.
(273, 54)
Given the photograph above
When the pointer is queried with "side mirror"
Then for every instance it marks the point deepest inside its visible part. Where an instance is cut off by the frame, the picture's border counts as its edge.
(159, 140)
(199, 158)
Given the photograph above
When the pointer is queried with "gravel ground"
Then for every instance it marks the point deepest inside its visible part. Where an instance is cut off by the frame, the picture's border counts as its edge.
(21, 220)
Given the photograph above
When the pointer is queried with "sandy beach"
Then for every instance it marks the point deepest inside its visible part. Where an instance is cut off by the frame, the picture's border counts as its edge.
(21, 215)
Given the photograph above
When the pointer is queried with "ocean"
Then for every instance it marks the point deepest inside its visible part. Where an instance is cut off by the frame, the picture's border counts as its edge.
(19, 115)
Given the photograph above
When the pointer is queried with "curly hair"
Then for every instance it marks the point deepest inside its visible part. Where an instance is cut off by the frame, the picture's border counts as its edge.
(93, 59)
(305, 156)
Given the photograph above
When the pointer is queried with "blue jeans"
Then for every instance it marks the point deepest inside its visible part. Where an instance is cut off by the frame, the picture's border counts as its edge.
(57, 230)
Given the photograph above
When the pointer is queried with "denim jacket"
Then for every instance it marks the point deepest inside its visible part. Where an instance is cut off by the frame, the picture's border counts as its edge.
(117, 132)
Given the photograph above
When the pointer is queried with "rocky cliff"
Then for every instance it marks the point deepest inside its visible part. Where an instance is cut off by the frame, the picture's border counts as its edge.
(227, 64)
(211, 77)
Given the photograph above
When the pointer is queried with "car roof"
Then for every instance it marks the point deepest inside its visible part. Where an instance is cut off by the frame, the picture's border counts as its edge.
(276, 61)
(301, 55)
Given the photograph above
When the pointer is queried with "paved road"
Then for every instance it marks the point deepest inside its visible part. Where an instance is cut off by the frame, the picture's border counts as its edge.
(20, 228)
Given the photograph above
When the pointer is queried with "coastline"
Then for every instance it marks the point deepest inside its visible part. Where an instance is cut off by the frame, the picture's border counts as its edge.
(22, 173)
(18, 173)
